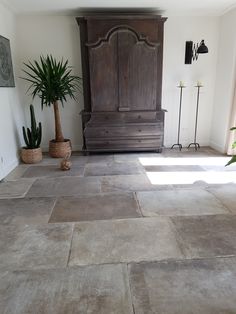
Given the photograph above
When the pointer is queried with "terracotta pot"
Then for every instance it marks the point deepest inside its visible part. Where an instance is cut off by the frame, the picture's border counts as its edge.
(59, 149)
(31, 156)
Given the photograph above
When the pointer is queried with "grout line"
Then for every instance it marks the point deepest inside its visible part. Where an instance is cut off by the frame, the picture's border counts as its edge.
(53, 206)
(20, 269)
(137, 201)
(221, 202)
(69, 255)
(129, 286)
(178, 238)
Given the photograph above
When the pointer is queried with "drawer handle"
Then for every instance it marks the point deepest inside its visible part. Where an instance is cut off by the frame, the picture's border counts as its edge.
(139, 117)
(140, 130)
(106, 131)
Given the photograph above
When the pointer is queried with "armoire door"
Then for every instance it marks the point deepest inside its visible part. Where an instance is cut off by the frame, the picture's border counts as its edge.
(137, 73)
(103, 59)
(123, 73)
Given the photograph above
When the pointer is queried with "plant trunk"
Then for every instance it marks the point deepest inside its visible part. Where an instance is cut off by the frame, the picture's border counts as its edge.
(58, 131)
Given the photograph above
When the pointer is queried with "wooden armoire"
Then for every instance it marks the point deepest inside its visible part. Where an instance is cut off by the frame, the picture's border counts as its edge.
(122, 78)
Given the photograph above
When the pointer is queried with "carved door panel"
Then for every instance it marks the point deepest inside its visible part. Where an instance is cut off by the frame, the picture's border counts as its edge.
(123, 72)
(137, 73)
(103, 60)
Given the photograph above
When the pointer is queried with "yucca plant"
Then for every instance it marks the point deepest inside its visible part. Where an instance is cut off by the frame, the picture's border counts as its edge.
(233, 159)
(32, 136)
(53, 82)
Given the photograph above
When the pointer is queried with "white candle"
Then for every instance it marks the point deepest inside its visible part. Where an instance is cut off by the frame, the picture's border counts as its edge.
(181, 84)
(199, 84)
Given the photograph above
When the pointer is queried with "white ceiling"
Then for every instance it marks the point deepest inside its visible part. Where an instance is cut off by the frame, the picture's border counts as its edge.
(168, 7)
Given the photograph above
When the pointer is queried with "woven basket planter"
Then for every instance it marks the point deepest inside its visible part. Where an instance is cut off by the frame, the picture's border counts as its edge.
(59, 149)
(31, 156)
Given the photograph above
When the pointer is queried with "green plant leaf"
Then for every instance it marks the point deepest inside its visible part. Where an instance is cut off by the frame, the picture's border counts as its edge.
(232, 160)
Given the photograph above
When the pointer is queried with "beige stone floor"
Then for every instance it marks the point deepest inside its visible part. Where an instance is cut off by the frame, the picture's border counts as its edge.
(132, 233)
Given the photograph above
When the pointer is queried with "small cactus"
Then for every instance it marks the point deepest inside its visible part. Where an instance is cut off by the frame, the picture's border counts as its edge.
(32, 136)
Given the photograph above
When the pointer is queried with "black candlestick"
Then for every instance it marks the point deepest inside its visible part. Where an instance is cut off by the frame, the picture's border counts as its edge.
(195, 144)
(180, 106)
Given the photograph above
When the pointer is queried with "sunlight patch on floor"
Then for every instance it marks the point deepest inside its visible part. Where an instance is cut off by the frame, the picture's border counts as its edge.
(187, 161)
(190, 177)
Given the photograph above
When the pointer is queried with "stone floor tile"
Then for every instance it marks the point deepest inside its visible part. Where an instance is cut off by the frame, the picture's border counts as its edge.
(206, 236)
(135, 157)
(95, 207)
(173, 168)
(114, 168)
(65, 186)
(100, 158)
(130, 183)
(17, 188)
(211, 168)
(52, 171)
(35, 246)
(179, 202)
(78, 161)
(26, 210)
(184, 287)
(17, 173)
(226, 194)
(128, 240)
(100, 289)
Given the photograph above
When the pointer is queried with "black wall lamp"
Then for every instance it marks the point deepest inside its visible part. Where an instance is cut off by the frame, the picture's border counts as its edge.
(193, 50)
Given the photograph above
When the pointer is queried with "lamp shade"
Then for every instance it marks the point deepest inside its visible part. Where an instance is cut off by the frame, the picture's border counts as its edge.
(202, 48)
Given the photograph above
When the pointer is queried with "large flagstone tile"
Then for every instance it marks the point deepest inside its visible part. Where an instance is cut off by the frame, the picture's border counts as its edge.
(95, 207)
(35, 246)
(179, 202)
(139, 182)
(114, 168)
(88, 290)
(100, 158)
(17, 188)
(226, 194)
(184, 287)
(26, 210)
(52, 171)
(135, 157)
(207, 236)
(128, 240)
(173, 168)
(65, 186)
(17, 173)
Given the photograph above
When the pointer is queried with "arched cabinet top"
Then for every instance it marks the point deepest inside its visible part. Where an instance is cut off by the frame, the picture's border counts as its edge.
(126, 29)
(147, 28)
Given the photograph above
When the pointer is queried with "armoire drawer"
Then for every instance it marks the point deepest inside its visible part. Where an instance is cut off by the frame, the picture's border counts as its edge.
(126, 117)
(124, 144)
(124, 131)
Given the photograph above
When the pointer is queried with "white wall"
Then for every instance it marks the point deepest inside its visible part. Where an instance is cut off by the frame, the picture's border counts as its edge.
(225, 81)
(59, 36)
(177, 31)
(11, 113)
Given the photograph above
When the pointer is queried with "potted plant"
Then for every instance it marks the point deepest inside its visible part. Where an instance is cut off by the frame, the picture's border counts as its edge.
(53, 82)
(233, 158)
(32, 152)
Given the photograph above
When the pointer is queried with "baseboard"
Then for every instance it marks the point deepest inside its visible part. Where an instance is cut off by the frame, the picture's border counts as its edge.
(8, 168)
(217, 147)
